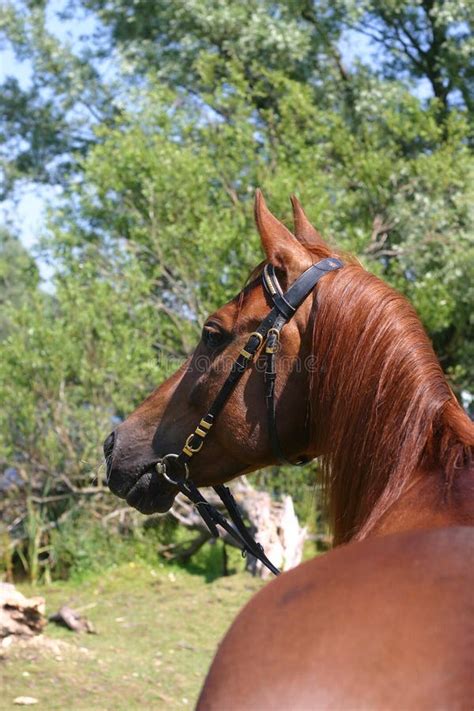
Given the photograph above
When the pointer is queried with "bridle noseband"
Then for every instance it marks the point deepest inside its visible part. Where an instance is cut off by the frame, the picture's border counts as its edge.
(285, 305)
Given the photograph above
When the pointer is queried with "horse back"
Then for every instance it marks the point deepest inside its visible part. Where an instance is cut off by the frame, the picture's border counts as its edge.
(386, 623)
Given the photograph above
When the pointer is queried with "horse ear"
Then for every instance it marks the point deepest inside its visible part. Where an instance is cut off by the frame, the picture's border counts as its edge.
(280, 246)
(304, 230)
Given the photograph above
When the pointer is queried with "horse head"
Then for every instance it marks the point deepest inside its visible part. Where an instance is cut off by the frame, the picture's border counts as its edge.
(240, 441)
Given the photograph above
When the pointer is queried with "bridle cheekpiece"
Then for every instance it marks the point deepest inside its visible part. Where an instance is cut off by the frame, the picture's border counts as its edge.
(285, 305)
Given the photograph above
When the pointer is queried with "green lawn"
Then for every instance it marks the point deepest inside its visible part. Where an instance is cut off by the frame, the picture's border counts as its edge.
(158, 629)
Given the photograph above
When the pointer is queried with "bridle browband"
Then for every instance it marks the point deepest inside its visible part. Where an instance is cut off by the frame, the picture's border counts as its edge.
(285, 305)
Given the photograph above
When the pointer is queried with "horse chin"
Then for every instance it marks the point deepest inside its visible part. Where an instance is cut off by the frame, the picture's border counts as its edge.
(152, 494)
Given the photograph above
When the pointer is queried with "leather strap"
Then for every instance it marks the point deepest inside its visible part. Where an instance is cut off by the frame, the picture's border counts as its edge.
(283, 305)
(268, 332)
(212, 517)
(249, 544)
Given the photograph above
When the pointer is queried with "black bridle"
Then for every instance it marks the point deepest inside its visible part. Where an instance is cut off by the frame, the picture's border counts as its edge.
(268, 334)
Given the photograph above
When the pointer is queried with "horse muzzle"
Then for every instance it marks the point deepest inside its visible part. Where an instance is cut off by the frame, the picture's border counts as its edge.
(141, 484)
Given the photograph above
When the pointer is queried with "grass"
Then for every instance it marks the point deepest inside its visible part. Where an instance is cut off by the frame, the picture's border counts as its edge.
(158, 629)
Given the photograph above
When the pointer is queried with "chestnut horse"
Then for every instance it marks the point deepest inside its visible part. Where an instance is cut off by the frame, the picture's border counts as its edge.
(385, 620)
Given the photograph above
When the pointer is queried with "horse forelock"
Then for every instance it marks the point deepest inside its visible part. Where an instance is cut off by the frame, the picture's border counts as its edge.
(380, 399)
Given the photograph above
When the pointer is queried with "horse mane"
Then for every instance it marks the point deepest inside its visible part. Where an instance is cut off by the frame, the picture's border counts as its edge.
(379, 398)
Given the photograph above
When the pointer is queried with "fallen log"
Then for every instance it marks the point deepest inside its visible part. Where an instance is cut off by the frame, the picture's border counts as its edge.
(73, 620)
(19, 615)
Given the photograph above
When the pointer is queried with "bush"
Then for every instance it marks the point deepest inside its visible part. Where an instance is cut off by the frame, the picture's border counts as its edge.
(79, 547)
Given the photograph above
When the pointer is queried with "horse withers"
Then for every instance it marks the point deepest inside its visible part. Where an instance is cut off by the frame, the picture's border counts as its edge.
(385, 620)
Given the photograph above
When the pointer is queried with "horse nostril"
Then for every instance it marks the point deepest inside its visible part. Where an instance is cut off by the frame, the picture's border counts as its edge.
(109, 445)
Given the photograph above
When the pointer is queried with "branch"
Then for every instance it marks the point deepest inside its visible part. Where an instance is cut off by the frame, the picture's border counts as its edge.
(379, 236)
(86, 491)
(184, 551)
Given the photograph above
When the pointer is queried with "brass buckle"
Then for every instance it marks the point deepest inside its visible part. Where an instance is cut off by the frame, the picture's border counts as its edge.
(274, 348)
(202, 430)
(187, 449)
(260, 339)
(246, 354)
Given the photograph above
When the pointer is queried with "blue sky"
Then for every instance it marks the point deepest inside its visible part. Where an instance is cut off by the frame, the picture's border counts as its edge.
(26, 212)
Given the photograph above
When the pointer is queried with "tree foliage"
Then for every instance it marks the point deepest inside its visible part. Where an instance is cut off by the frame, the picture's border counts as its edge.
(430, 40)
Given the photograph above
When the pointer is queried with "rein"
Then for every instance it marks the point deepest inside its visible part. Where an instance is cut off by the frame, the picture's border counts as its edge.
(285, 305)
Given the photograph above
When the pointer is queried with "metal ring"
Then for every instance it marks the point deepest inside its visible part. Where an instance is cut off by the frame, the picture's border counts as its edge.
(168, 478)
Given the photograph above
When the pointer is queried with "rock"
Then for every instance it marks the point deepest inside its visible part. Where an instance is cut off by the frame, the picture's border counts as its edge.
(25, 700)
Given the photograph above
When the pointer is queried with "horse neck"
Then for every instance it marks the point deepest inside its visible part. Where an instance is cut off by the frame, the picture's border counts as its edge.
(428, 503)
(383, 413)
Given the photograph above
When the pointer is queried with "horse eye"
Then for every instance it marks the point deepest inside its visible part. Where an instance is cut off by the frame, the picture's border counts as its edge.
(212, 336)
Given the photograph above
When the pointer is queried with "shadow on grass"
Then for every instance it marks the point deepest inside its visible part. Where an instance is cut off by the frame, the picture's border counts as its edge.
(214, 560)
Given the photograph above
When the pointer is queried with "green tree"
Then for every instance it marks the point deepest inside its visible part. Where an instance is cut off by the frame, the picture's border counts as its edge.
(430, 40)
(18, 270)
(398, 193)
(71, 365)
(47, 123)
